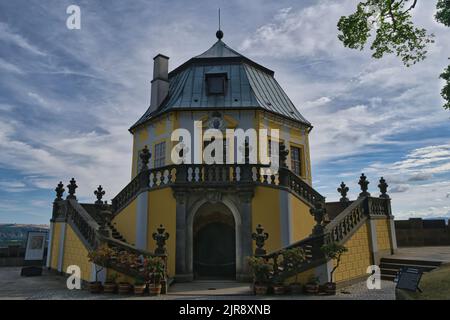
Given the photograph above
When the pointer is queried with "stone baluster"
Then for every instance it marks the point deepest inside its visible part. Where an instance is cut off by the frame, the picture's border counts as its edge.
(364, 183)
(145, 156)
(343, 190)
(160, 237)
(283, 152)
(318, 212)
(72, 186)
(383, 188)
(59, 191)
(99, 193)
(260, 237)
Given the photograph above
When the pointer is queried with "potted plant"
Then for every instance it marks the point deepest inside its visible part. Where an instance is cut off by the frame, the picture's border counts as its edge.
(139, 286)
(99, 257)
(292, 259)
(312, 286)
(332, 251)
(261, 270)
(155, 269)
(124, 287)
(110, 285)
(278, 287)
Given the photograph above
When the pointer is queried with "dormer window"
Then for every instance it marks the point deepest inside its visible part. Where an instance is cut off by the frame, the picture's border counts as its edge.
(216, 83)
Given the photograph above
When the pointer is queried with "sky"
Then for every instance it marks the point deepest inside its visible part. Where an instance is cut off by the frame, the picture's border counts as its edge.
(68, 97)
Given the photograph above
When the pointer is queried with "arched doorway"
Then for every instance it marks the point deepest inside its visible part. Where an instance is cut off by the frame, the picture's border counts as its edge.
(214, 245)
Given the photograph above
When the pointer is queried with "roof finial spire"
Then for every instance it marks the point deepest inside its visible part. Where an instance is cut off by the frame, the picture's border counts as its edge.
(219, 33)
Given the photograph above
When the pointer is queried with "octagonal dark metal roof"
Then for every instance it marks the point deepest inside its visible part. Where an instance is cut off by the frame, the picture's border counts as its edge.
(249, 86)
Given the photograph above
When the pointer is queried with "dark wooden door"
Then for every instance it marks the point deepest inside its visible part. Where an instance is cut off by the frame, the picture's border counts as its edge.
(215, 252)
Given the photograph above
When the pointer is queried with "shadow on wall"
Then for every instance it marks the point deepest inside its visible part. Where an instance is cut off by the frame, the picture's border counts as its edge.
(417, 232)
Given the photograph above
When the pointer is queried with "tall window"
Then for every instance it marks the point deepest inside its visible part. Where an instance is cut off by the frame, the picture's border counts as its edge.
(160, 154)
(296, 164)
(213, 153)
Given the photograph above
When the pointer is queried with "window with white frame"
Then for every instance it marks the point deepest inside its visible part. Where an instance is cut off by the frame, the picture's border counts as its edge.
(296, 158)
(160, 154)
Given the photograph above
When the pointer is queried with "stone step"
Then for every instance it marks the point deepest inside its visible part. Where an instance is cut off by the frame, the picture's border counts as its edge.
(392, 266)
(411, 262)
(387, 277)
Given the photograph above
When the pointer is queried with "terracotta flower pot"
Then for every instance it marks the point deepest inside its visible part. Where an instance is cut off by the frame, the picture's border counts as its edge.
(278, 289)
(109, 287)
(154, 289)
(139, 288)
(295, 288)
(260, 289)
(312, 288)
(95, 287)
(330, 288)
(124, 288)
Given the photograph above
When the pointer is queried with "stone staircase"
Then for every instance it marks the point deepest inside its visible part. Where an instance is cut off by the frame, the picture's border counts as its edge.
(338, 230)
(391, 266)
(115, 233)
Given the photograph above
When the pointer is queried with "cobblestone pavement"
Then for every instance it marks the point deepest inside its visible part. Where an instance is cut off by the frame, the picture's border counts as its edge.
(53, 287)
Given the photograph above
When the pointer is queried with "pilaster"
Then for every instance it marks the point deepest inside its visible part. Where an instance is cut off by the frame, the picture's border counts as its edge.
(62, 239)
(142, 220)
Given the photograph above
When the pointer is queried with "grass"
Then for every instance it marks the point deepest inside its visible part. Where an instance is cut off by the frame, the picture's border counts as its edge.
(435, 285)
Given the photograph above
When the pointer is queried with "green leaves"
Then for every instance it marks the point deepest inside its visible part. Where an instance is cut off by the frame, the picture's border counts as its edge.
(446, 90)
(355, 29)
(390, 23)
(443, 12)
(333, 250)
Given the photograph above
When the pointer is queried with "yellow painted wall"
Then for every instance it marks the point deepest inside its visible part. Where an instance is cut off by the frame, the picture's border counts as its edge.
(383, 234)
(354, 263)
(55, 245)
(302, 221)
(162, 210)
(75, 253)
(125, 222)
(266, 211)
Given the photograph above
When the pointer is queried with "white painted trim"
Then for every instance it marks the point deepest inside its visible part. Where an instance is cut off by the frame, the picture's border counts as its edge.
(190, 237)
(323, 271)
(101, 274)
(373, 241)
(50, 247)
(142, 221)
(393, 237)
(285, 218)
(62, 239)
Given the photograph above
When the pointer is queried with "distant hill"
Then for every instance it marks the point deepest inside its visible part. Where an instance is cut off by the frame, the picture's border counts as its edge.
(17, 233)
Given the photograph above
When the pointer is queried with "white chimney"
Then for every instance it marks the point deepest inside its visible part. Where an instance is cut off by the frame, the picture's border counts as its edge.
(160, 82)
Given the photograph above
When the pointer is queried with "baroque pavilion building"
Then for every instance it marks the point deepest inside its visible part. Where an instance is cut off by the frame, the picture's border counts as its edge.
(208, 215)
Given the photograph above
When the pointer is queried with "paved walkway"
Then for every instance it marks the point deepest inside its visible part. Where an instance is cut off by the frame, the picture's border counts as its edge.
(424, 253)
(53, 287)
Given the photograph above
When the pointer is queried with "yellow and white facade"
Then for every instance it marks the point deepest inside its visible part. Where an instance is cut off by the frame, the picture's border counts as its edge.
(211, 212)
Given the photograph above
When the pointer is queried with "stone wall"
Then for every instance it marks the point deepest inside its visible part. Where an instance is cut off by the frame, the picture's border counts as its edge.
(383, 235)
(417, 232)
(75, 253)
(12, 256)
(355, 261)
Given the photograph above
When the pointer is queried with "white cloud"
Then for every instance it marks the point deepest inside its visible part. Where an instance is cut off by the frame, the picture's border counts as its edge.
(9, 67)
(7, 35)
(299, 33)
(90, 158)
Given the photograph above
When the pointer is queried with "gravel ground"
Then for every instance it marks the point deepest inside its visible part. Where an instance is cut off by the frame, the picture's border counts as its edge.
(53, 287)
